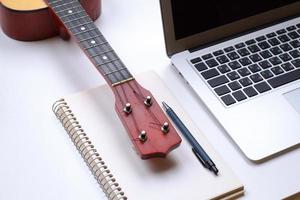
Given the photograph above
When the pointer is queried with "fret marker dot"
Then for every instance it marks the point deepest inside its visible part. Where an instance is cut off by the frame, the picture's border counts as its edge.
(104, 57)
(93, 42)
(70, 11)
(82, 28)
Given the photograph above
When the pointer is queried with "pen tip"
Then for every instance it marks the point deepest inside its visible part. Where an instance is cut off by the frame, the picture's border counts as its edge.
(164, 104)
(215, 170)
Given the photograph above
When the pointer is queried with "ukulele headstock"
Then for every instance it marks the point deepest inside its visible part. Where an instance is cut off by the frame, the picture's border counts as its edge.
(147, 125)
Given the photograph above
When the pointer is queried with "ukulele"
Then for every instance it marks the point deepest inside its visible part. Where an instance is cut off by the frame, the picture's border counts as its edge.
(147, 126)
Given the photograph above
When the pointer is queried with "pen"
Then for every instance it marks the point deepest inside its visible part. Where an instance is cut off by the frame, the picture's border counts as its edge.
(196, 148)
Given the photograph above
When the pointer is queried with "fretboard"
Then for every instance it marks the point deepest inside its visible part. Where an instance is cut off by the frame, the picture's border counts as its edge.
(88, 36)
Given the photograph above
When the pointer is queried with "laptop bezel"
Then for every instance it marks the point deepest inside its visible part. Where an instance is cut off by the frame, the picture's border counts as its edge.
(174, 46)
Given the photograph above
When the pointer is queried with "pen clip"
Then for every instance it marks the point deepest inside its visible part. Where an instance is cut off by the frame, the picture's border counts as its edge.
(199, 157)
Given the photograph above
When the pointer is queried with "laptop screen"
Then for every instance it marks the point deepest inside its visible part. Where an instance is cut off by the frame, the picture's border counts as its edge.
(196, 16)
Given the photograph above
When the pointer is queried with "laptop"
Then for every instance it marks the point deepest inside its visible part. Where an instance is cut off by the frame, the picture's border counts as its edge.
(242, 58)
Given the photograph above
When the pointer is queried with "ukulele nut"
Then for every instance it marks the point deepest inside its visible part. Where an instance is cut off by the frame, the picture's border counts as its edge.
(143, 136)
(148, 101)
(165, 128)
(127, 109)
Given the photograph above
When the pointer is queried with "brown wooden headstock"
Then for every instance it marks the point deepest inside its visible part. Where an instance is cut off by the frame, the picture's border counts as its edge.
(147, 125)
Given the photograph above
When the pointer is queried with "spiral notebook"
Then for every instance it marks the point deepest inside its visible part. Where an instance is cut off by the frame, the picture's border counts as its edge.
(90, 120)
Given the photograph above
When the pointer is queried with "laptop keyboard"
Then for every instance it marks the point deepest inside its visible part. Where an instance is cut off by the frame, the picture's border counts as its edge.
(253, 67)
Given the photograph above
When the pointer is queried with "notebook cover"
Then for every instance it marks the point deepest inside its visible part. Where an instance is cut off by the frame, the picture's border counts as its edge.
(179, 176)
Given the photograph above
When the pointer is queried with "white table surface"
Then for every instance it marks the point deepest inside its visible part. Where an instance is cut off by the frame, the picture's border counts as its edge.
(35, 74)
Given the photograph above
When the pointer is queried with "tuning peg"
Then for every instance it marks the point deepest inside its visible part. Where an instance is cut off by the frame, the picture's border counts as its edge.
(165, 127)
(148, 101)
(127, 109)
(143, 136)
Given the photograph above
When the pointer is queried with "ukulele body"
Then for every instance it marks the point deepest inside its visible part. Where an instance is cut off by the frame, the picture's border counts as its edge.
(31, 20)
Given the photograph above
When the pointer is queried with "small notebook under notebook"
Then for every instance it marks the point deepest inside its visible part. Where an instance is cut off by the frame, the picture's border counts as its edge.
(91, 122)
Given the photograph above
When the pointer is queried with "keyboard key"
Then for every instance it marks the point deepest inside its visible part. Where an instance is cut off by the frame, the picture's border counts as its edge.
(265, 54)
(233, 55)
(256, 78)
(244, 71)
(218, 81)
(234, 65)
(212, 63)
(275, 60)
(255, 57)
(239, 95)
(274, 41)
(266, 74)
(287, 67)
(228, 100)
(265, 64)
(245, 81)
(296, 63)
(210, 73)
(295, 53)
(196, 60)
(281, 31)
(219, 52)
(295, 43)
(254, 68)
(254, 48)
(201, 67)
(222, 90)
(275, 51)
(243, 52)
(284, 38)
(285, 57)
(222, 59)
(270, 35)
(293, 35)
(250, 91)
(239, 45)
(245, 61)
(298, 25)
(264, 45)
(228, 49)
(286, 47)
(233, 75)
(223, 69)
(207, 56)
(290, 28)
(234, 85)
(285, 78)
(262, 87)
(260, 38)
(249, 42)
(277, 70)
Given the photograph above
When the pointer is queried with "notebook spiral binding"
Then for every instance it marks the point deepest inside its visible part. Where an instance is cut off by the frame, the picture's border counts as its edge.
(88, 152)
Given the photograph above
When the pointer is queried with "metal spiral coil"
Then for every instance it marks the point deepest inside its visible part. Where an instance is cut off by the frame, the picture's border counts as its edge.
(88, 152)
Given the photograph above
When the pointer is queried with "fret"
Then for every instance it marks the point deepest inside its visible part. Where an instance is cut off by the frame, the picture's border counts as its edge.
(89, 38)
(75, 19)
(50, 2)
(60, 5)
(84, 31)
(73, 13)
(97, 45)
(110, 61)
(102, 53)
(118, 70)
(67, 9)
(76, 26)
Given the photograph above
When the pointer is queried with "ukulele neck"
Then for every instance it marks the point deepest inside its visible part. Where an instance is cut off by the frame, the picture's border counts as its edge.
(79, 25)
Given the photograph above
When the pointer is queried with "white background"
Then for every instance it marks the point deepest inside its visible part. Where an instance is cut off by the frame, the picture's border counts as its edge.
(37, 160)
